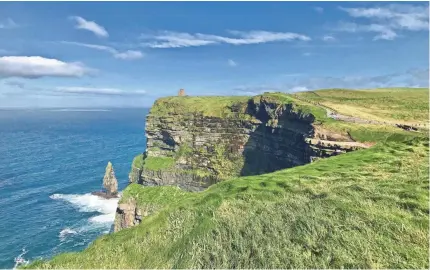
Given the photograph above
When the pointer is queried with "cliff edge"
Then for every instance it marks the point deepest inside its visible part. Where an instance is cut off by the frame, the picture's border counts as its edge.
(194, 142)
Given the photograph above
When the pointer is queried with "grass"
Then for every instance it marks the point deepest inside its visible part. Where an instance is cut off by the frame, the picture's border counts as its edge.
(138, 161)
(364, 209)
(158, 163)
(211, 106)
(393, 105)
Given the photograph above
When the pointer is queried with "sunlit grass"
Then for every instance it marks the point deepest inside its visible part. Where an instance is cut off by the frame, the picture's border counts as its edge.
(364, 209)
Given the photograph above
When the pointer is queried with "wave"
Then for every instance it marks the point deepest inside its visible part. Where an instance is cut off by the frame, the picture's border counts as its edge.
(65, 232)
(88, 202)
(91, 203)
(106, 218)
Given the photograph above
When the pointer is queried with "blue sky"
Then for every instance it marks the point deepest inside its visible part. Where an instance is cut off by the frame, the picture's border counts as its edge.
(103, 54)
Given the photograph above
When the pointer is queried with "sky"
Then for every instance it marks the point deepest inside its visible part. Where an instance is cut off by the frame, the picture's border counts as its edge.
(127, 54)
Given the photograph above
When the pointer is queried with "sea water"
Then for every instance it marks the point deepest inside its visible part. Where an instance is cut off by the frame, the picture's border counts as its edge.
(50, 162)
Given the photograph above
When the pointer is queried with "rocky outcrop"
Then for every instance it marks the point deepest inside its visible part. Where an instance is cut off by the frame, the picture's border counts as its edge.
(109, 180)
(183, 179)
(125, 215)
(259, 136)
(128, 214)
(110, 184)
(135, 175)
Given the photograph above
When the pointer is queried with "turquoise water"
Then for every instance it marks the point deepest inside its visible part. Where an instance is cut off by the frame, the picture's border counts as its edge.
(50, 160)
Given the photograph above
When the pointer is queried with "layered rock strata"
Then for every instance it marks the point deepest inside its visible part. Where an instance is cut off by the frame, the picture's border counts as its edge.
(257, 137)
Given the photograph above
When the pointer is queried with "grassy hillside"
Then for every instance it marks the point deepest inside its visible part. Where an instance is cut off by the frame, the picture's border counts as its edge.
(396, 105)
(363, 209)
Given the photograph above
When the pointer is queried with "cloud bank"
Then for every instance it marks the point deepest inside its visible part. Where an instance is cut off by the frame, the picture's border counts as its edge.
(386, 21)
(37, 66)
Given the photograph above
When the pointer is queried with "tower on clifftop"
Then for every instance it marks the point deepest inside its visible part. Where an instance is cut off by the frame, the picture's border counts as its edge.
(181, 93)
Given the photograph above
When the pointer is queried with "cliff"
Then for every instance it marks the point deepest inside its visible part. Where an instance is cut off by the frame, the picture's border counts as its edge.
(363, 209)
(194, 142)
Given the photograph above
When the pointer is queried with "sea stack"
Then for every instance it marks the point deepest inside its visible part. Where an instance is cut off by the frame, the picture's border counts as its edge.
(110, 184)
(109, 181)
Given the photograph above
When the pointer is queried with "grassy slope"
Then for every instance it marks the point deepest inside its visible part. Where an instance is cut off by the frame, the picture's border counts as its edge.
(404, 105)
(365, 209)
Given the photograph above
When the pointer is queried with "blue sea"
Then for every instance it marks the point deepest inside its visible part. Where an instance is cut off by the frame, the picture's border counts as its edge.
(50, 161)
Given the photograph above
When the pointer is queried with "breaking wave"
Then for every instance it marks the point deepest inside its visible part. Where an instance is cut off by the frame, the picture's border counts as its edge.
(89, 203)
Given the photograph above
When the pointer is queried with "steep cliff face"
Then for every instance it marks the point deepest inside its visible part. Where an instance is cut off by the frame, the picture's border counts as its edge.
(129, 214)
(193, 145)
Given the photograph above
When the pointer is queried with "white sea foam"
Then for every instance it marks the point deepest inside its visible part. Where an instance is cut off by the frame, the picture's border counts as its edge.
(106, 218)
(92, 203)
(65, 232)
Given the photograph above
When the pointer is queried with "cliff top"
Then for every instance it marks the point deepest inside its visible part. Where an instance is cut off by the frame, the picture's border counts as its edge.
(228, 106)
(216, 106)
(389, 105)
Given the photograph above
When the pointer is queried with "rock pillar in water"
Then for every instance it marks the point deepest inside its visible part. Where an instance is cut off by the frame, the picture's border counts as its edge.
(109, 180)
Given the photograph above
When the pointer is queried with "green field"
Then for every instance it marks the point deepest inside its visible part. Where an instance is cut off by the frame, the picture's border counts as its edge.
(395, 105)
(364, 209)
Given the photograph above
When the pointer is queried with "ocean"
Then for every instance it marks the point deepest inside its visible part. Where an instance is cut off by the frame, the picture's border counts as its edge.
(50, 161)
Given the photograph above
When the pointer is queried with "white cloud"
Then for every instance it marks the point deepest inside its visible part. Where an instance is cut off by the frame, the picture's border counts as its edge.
(36, 67)
(383, 31)
(8, 24)
(231, 63)
(328, 38)
(176, 40)
(99, 91)
(387, 20)
(91, 26)
(169, 39)
(127, 55)
(319, 9)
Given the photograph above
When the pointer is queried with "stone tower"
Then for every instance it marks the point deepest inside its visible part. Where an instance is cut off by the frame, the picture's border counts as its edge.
(181, 93)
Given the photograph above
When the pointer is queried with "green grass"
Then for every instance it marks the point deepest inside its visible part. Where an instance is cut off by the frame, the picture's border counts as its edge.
(364, 209)
(212, 106)
(138, 161)
(158, 163)
(408, 105)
